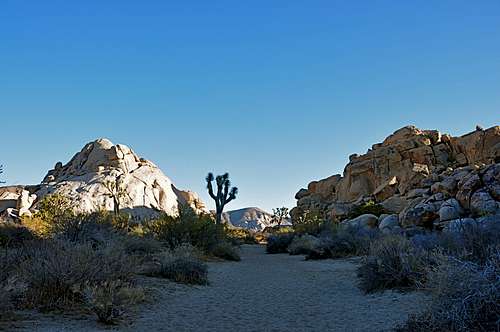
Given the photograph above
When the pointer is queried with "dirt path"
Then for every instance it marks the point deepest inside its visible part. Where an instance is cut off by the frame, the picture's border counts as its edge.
(265, 293)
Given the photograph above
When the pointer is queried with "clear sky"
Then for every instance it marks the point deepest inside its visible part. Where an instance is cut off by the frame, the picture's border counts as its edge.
(277, 93)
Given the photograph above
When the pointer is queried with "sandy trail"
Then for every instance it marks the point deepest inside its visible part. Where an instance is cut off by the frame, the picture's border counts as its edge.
(263, 293)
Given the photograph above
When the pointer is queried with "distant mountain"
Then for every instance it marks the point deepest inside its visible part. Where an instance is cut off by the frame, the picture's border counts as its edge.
(251, 218)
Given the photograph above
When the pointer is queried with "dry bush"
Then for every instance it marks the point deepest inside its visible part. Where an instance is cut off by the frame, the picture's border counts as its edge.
(344, 242)
(108, 300)
(57, 272)
(227, 251)
(278, 244)
(14, 235)
(303, 245)
(465, 296)
(140, 245)
(181, 264)
(392, 262)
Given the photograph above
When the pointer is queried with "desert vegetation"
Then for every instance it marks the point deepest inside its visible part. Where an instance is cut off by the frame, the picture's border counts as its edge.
(58, 260)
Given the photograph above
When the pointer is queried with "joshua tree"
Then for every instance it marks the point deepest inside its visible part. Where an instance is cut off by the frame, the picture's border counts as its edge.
(1, 172)
(116, 192)
(224, 194)
(280, 215)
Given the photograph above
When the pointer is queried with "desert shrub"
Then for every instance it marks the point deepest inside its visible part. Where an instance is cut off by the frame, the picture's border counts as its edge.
(465, 297)
(227, 251)
(312, 223)
(181, 264)
(303, 245)
(14, 235)
(278, 244)
(472, 242)
(239, 236)
(57, 272)
(392, 262)
(53, 208)
(369, 207)
(344, 242)
(188, 227)
(96, 228)
(140, 245)
(109, 300)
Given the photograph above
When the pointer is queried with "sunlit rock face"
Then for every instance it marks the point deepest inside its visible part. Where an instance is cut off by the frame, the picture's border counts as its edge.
(422, 176)
(83, 180)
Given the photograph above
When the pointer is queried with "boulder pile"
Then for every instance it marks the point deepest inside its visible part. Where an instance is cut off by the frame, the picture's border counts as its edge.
(422, 178)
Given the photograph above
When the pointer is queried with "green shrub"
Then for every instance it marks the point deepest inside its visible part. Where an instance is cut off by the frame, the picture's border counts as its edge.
(239, 236)
(278, 244)
(188, 227)
(312, 223)
(392, 262)
(227, 251)
(180, 265)
(54, 208)
(369, 207)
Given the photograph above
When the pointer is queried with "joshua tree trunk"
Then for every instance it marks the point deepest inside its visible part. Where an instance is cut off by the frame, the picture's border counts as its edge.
(116, 206)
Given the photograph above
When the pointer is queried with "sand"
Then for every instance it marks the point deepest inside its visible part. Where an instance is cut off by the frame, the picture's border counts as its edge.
(260, 293)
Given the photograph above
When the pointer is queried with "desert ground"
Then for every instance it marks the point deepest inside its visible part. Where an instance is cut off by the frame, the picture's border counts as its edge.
(260, 293)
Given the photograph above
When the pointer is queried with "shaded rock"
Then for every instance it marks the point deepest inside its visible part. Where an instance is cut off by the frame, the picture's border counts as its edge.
(395, 204)
(491, 180)
(481, 203)
(390, 221)
(364, 221)
(466, 187)
(450, 210)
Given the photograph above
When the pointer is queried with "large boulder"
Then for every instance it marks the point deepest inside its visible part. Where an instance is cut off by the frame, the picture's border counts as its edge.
(450, 210)
(86, 180)
(389, 221)
(365, 221)
(481, 203)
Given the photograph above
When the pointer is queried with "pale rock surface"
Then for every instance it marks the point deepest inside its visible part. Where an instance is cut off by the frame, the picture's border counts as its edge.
(251, 218)
(148, 190)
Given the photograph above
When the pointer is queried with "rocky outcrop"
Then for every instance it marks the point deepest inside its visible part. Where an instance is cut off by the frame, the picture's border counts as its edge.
(249, 218)
(85, 178)
(423, 176)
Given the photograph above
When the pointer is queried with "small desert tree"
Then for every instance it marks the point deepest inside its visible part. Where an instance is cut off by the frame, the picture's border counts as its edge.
(280, 215)
(224, 195)
(117, 192)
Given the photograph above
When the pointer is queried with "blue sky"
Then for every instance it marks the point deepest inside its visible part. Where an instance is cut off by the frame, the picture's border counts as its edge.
(278, 93)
